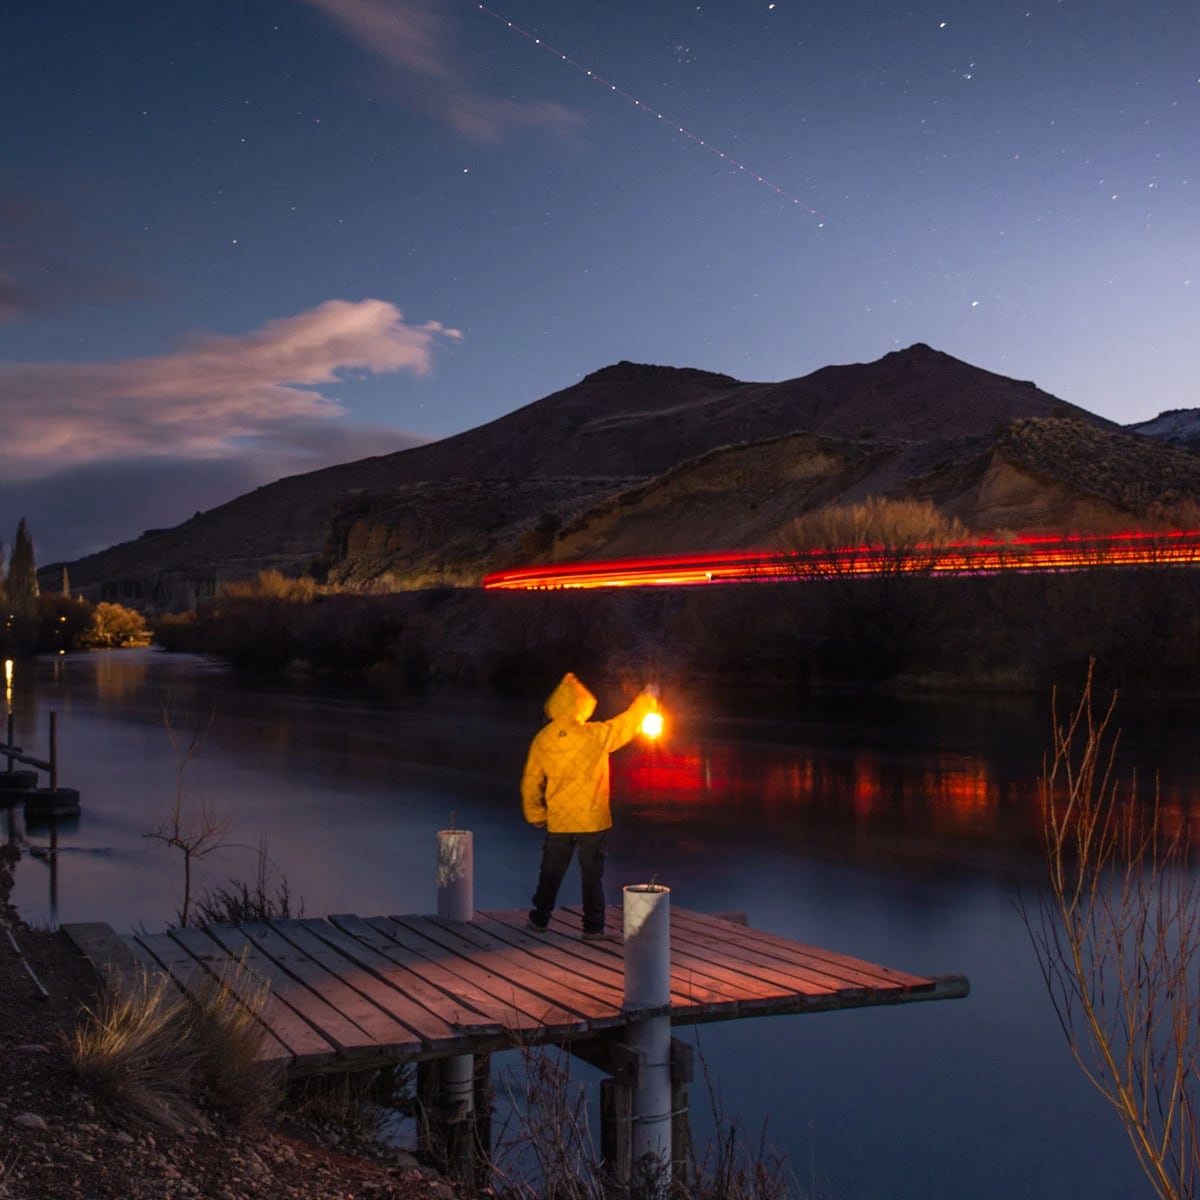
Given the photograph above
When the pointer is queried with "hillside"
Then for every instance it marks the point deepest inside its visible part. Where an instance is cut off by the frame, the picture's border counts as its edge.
(1038, 474)
(1179, 426)
(497, 494)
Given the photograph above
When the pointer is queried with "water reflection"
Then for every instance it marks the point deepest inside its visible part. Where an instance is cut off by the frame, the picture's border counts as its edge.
(887, 829)
(13, 813)
(119, 677)
(951, 799)
(49, 855)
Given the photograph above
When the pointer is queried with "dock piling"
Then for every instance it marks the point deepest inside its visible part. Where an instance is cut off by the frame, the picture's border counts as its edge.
(452, 1120)
(647, 915)
(456, 874)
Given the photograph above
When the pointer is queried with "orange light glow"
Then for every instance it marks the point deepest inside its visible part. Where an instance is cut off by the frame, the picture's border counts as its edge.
(652, 725)
(987, 556)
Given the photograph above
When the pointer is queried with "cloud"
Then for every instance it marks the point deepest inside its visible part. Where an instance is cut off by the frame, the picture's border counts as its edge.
(211, 398)
(415, 37)
(96, 505)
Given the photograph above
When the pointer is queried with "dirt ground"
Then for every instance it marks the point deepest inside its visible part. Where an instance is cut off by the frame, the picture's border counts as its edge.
(58, 1142)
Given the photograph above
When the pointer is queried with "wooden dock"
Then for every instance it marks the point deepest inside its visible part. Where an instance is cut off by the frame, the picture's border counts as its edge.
(351, 992)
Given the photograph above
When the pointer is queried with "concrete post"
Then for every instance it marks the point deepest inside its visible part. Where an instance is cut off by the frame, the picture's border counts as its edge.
(647, 909)
(456, 1078)
(456, 874)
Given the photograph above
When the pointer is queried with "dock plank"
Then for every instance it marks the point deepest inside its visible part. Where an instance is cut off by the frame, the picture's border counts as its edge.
(745, 962)
(841, 966)
(430, 1028)
(454, 1010)
(346, 1039)
(440, 974)
(530, 1012)
(551, 978)
(518, 954)
(599, 973)
(192, 976)
(378, 1027)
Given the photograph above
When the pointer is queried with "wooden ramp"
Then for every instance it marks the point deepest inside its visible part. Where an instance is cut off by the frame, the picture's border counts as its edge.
(348, 992)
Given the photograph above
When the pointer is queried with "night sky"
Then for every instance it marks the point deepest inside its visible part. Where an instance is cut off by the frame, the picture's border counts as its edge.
(245, 238)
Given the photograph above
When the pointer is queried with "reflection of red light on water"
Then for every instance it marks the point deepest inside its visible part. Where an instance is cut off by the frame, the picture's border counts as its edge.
(674, 774)
(958, 794)
(949, 797)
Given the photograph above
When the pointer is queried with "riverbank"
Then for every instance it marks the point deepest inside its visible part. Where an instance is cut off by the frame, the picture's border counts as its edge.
(970, 635)
(58, 1141)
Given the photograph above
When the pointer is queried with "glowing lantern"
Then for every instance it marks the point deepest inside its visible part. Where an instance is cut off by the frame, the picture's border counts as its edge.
(652, 725)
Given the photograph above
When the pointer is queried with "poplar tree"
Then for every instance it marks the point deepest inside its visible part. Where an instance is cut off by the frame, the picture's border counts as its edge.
(22, 577)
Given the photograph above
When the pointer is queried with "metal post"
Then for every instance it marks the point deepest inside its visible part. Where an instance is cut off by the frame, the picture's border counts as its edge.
(647, 909)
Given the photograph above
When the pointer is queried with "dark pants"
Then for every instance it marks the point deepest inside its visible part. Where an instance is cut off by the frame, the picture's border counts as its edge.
(556, 857)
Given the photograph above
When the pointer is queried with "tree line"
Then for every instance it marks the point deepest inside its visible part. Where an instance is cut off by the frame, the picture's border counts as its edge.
(33, 622)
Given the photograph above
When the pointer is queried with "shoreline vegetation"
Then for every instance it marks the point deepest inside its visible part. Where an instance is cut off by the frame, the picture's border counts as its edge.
(1017, 634)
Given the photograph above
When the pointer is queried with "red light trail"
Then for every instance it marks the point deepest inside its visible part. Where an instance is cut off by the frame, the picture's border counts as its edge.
(671, 124)
(984, 557)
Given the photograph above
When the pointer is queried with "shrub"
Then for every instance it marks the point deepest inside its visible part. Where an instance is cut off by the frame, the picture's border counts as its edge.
(114, 625)
(268, 585)
(163, 1058)
(241, 901)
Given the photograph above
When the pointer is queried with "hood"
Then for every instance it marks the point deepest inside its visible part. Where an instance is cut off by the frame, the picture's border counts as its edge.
(570, 701)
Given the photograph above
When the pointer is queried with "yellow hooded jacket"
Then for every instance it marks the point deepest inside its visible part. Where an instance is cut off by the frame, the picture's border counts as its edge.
(565, 782)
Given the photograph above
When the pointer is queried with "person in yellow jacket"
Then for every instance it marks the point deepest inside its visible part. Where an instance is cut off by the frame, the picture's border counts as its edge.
(564, 790)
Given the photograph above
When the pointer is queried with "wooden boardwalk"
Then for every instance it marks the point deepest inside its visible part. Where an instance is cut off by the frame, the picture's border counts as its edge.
(348, 991)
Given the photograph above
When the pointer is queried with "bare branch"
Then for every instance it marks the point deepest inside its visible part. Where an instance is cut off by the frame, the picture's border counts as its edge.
(1117, 933)
(195, 833)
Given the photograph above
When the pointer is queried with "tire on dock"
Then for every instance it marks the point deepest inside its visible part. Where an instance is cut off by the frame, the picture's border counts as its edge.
(51, 802)
(17, 781)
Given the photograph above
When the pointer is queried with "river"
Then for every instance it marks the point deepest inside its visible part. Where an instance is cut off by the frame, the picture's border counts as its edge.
(895, 830)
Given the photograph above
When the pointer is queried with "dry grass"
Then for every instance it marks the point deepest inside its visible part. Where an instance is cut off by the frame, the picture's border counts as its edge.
(546, 1150)
(167, 1060)
(137, 1050)
(237, 1084)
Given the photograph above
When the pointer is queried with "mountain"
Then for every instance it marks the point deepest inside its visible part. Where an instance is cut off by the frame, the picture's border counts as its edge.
(1179, 426)
(450, 510)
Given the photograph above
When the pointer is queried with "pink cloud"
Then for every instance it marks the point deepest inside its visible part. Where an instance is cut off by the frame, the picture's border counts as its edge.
(415, 37)
(207, 398)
